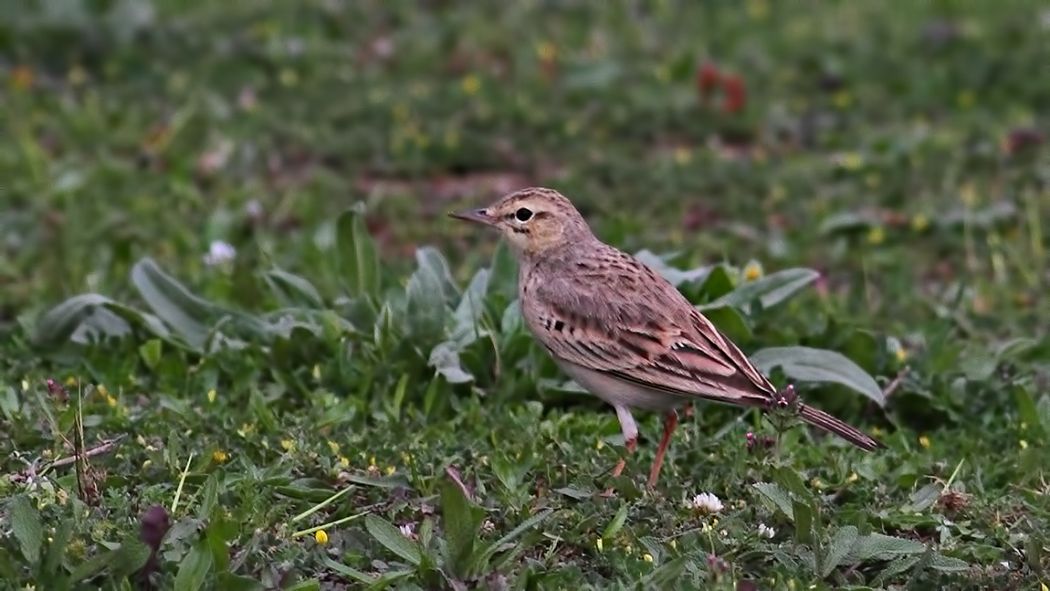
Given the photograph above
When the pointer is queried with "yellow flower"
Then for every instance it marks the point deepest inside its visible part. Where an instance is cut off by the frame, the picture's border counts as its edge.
(877, 235)
(344, 461)
(682, 155)
(851, 161)
(1023, 443)
(920, 222)
(647, 557)
(598, 544)
(245, 429)
(219, 456)
(901, 354)
(212, 395)
(390, 470)
(546, 51)
(287, 444)
(966, 99)
(1043, 587)
(752, 271)
(674, 544)
(817, 483)
(471, 84)
(599, 444)
(924, 442)
(71, 381)
(317, 371)
(842, 99)
(333, 446)
(852, 477)
(25, 385)
(321, 537)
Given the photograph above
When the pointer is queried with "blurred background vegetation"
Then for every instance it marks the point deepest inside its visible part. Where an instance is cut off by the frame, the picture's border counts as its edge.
(899, 149)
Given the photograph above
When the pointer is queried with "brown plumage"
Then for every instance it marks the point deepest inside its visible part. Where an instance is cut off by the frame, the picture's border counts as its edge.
(619, 329)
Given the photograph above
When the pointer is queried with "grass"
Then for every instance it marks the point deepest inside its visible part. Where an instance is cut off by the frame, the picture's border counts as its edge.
(350, 401)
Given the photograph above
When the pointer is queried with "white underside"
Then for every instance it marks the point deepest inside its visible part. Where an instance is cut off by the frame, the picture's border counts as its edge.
(622, 395)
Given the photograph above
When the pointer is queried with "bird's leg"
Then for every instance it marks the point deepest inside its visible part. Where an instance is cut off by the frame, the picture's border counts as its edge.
(630, 439)
(670, 423)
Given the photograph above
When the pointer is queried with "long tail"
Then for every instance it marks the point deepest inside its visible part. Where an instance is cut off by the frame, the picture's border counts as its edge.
(819, 418)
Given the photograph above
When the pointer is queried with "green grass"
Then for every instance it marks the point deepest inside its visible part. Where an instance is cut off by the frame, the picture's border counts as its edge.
(898, 149)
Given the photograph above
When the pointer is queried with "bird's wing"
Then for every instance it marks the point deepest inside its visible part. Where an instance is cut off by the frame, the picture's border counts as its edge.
(631, 324)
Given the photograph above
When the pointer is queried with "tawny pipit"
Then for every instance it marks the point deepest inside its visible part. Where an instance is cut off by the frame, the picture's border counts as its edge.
(623, 332)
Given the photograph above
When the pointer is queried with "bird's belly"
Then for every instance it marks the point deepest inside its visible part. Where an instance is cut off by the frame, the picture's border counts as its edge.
(618, 392)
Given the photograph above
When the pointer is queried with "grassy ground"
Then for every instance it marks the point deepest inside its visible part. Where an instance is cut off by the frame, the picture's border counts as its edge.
(897, 149)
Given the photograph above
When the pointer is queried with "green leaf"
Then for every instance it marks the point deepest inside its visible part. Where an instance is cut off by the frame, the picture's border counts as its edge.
(807, 364)
(616, 524)
(232, 582)
(92, 566)
(431, 258)
(196, 565)
(674, 276)
(461, 519)
(129, 558)
(444, 358)
(392, 539)
(150, 352)
(26, 527)
(803, 515)
(292, 290)
(777, 497)
(186, 314)
(877, 546)
(425, 311)
(730, 321)
(768, 291)
(948, 564)
(466, 319)
(356, 254)
(56, 549)
(839, 547)
(63, 323)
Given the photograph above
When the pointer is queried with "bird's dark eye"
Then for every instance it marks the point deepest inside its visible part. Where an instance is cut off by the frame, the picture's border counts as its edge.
(523, 214)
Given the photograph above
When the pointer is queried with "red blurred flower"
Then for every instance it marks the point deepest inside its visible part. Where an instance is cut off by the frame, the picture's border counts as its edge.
(707, 78)
(735, 98)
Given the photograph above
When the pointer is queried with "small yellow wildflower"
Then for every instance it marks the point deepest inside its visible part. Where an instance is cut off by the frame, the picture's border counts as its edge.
(682, 155)
(901, 354)
(321, 537)
(25, 385)
(546, 51)
(287, 444)
(920, 222)
(317, 371)
(599, 444)
(390, 470)
(647, 557)
(924, 442)
(599, 545)
(344, 461)
(674, 544)
(372, 462)
(471, 84)
(752, 271)
(851, 161)
(842, 99)
(966, 99)
(333, 446)
(71, 381)
(1043, 587)
(219, 456)
(877, 235)
(852, 478)
(1023, 443)
(628, 549)
(817, 483)
(245, 429)
(212, 395)
(288, 77)
(406, 458)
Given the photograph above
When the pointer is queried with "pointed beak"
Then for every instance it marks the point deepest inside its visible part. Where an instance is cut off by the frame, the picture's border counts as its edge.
(478, 216)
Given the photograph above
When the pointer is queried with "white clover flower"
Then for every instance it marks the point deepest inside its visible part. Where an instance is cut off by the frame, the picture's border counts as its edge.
(764, 531)
(706, 503)
(408, 530)
(219, 253)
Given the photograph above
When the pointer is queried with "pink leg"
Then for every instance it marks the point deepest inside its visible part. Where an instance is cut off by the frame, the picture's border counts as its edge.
(670, 423)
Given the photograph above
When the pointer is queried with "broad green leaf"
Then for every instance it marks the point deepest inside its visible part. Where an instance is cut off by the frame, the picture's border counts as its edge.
(807, 364)
(26, 527)
(186, 314)
(461, 519)
(56, 549)
(803, 516)
(503, 278)
(293, 290)
(356, 254)
(232, 582)
(150, 352)
(59, 324)
(425, 309)
(838, 548)
(431, 258)
(392, 539)
(616, 524)
(924, 498)
(877, 546)
(466, 319)
(445, 360)
(729, 321)
(129, 558)
(777, 497)
(768, 291)
(948, 564)
(674, 276)
(193, 572)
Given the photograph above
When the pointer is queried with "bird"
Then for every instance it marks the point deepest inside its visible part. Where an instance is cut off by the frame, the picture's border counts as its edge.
(622, 331)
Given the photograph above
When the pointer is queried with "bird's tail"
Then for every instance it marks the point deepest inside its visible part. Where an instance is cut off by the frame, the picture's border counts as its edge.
(823, 420)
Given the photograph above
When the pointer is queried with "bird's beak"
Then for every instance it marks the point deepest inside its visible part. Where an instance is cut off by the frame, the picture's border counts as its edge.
(478, 216)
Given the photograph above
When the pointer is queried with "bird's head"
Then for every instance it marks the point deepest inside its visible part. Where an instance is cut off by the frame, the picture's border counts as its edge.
(534, 220)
